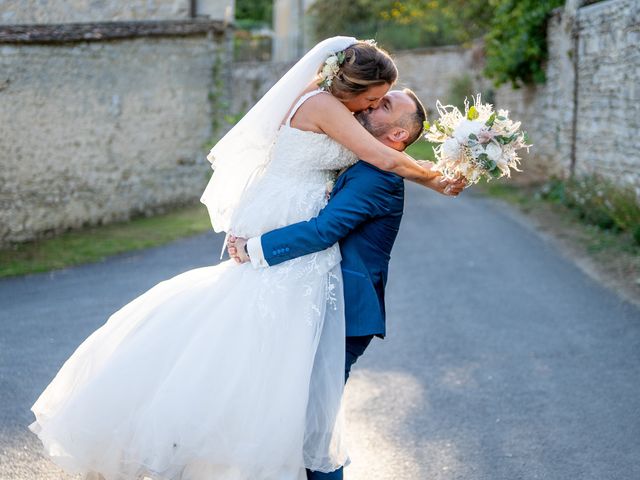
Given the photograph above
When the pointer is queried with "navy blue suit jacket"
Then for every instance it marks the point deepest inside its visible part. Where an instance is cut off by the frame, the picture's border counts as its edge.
(363, 214)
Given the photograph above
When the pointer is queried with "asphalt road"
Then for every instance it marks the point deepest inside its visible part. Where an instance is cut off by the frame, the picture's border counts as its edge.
(503, 361)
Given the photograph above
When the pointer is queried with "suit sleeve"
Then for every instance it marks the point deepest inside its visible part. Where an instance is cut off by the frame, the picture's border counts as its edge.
(361, 198)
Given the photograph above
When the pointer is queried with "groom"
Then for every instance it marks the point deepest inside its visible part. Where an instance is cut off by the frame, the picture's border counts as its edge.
(363, 214)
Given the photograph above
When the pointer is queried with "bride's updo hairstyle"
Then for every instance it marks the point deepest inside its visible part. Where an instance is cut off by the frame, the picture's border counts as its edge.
(365, 65)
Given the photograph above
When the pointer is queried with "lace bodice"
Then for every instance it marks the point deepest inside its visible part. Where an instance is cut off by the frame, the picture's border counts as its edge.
(292, 187)
(301, 152)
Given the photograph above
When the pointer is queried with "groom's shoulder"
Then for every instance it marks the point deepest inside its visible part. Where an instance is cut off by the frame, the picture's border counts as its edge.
(362, 168)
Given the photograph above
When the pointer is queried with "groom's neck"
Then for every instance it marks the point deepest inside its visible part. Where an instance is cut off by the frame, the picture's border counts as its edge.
(390, 143)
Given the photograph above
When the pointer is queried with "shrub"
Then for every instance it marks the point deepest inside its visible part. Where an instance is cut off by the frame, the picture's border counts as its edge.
(598, 201)
(516, 44)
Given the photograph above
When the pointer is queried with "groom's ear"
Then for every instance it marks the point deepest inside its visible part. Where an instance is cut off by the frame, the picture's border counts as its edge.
(398, 134)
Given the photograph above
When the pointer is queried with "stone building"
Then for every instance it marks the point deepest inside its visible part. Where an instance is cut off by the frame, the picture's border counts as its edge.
(106, 108)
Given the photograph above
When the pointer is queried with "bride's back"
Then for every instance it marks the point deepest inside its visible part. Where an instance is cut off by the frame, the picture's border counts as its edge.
(298, 153)
(292, 187)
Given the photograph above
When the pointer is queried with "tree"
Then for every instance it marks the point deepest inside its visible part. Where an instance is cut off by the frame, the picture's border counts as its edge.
(254, 13)
(401, 25)
(516, 45)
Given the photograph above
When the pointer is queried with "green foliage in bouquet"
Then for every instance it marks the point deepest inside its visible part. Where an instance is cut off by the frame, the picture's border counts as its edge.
(516, 45)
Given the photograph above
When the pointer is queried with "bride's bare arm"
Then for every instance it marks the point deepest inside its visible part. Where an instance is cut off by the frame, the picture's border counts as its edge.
(331, 117)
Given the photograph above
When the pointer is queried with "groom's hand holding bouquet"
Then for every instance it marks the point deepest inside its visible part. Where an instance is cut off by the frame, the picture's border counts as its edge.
(481, 143)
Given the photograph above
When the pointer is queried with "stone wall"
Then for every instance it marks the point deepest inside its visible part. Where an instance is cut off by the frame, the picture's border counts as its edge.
(586, 124)
(430, 71)
(62, 11)
(16, 12)
(608, 107)
(93, 132)
(251, 80)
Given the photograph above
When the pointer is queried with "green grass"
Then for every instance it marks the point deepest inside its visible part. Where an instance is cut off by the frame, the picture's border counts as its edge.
(523, 197)
(421, 150)
(93, 244)
(598, 201)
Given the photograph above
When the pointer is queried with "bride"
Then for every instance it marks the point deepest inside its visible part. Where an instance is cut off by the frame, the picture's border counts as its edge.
(226, 372)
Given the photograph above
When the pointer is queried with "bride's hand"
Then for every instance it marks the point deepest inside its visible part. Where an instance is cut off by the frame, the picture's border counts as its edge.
(425, 164)
(237, 249)
(441, 185)
(447, 187)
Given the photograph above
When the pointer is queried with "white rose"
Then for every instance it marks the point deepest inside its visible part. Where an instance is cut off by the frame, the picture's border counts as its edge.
(493, 151)
(332, 60)
(465, 128)
(471, 173)
(476, 150)
(451, 149)
(327, 70)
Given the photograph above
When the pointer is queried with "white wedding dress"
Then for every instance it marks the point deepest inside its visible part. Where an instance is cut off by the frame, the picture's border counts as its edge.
(221, 372)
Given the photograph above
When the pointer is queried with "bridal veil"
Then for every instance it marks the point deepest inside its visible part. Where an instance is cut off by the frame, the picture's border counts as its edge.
(244, 150)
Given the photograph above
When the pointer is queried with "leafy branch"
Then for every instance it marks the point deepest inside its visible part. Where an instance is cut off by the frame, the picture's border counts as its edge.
(516, 44)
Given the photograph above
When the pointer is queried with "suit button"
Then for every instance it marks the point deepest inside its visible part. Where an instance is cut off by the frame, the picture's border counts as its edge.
(274, 252)
(286, 249)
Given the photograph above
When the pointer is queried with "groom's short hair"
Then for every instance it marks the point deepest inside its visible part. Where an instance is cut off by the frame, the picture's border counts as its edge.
(413, 122)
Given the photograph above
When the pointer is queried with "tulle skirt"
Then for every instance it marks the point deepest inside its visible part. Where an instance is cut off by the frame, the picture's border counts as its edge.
(221, 372)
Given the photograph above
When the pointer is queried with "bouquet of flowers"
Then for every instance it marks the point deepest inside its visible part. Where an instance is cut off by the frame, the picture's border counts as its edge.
(477, 144)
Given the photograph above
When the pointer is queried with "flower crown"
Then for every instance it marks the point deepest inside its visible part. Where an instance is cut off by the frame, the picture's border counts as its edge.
(330, 69)
(332, 64)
